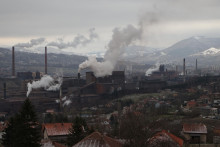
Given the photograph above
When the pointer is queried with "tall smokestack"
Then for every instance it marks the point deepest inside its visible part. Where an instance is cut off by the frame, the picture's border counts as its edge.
(13, 61)
(78, 77)
(45, 60)
(196, 64)
(184, 67)
(176, 68)
(60, 96)
(4, 85)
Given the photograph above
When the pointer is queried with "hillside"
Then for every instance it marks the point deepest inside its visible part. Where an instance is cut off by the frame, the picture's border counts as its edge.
(25, 61)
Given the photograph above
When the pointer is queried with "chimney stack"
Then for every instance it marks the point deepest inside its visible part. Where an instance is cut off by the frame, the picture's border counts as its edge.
(78, 77)
(13, 61)
(60, 96)
(184, 67)
(176, 68)
(45, 60)
(196, 64)
(4, 85)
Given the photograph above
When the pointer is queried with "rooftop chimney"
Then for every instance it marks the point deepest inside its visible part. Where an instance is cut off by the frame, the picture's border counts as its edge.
(4, 85)
(13, 61)
(184, 67)
(45, 60)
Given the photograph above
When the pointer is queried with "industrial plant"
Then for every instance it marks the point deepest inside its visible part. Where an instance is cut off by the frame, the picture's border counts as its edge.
(179, 90)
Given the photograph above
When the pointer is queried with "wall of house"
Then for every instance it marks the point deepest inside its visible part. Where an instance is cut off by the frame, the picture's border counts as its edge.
(187, 136)
(45, 134)
(202, 137)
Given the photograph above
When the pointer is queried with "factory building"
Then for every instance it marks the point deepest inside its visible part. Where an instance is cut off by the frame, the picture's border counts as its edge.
(103, 85)
(163, 74)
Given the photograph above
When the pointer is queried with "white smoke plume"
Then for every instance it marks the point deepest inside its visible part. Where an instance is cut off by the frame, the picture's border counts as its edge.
(33, 42)
(46, 82)
(121, 38)
(67, 102)
(56, 86)
(78, 40)
(64, 98)
(152, 69)
(57, 101)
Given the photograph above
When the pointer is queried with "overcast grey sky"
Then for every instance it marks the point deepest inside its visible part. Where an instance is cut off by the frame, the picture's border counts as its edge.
(173, 20)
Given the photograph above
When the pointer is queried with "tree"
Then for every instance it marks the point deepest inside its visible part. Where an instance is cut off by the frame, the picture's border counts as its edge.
(134, 128)
(78, 131)
(23, 129)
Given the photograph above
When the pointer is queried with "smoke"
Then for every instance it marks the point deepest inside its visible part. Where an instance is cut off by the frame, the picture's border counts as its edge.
(121, 38)
(56, 86)
(33, 42)
(46, 82)
(64, 98)
(67, 102)
(78, 40)
(152, 69)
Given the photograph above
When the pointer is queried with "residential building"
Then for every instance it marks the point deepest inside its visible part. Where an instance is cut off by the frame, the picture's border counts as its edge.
(56, 131)
(194, 133)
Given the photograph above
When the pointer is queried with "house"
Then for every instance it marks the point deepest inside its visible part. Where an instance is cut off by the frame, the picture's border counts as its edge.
(216, 137)
(98, 139)
(194, 133)
(56, 131)
(191, 104)
(164, 137)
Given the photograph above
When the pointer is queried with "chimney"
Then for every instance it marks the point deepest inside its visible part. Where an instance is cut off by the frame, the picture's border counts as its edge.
(4, 85)
(196, 64)
(13, 61)
(78, 78)
(184, 67)
(176, 68)
(45, 60)
(60, 96)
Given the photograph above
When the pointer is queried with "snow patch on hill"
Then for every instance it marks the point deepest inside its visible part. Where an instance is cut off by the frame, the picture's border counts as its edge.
(210, 51)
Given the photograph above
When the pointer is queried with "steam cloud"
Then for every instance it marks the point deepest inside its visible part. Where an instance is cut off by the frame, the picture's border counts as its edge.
(152, 69)
(78, 40)
(46, 82)
(121, 38)
(33, 42)
(65, 101)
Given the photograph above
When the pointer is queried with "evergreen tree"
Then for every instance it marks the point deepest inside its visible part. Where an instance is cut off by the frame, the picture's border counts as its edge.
(23, 129)
(78, 131)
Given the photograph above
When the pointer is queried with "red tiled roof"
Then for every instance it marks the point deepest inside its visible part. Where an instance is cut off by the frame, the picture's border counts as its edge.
(194, 128)
(58, 144)
(97, 139)
(57, 129)
(49, 143)
(163, 135)
(191, 103)
(175, 138)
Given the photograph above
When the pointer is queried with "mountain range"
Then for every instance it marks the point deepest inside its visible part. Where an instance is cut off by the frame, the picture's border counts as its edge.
(205, 50)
